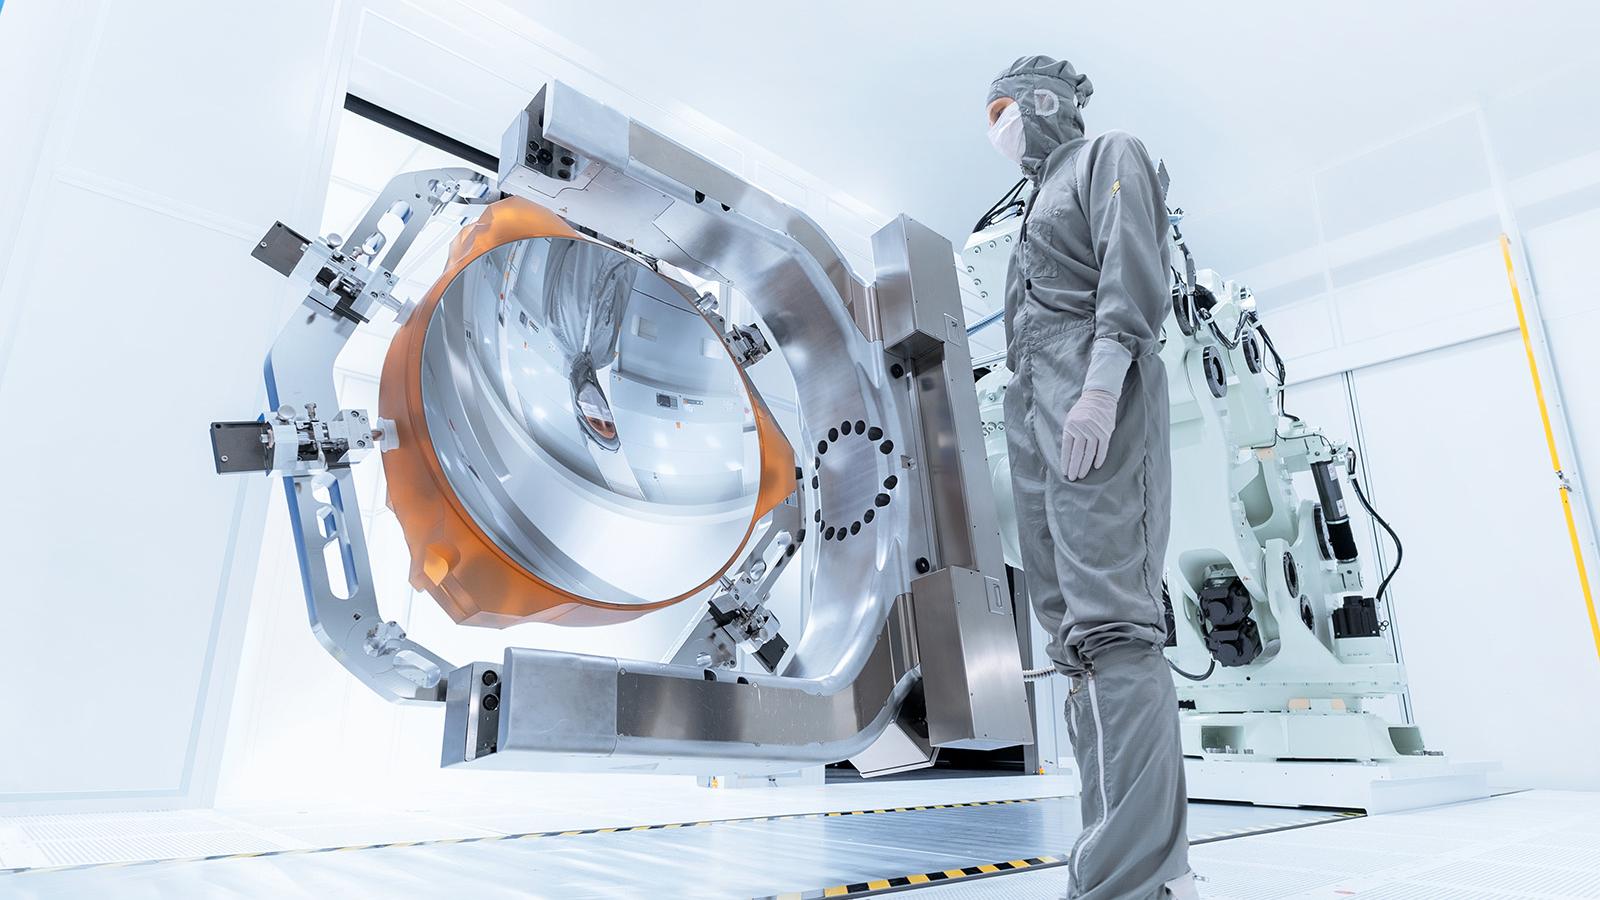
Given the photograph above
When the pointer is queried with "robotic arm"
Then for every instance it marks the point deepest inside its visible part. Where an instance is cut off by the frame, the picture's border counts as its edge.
(1274, 637)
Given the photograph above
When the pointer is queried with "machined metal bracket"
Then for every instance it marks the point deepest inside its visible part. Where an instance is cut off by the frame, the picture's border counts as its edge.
(343, 282)
(737, 615)
(745, 343)
(335, 283)
(288, 444)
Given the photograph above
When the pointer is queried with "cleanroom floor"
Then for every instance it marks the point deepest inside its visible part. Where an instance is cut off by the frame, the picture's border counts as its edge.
(988, 837)
(1538, 844)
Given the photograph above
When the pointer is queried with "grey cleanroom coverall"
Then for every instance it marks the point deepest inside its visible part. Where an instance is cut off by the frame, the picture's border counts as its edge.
(1086, 295)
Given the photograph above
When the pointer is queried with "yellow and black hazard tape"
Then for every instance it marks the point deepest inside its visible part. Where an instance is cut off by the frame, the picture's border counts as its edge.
(576, 832)
(861, 888)
(875, 885)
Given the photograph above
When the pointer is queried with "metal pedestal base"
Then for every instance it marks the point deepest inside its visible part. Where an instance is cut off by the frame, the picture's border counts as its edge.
(1380, 787)
(1298, 735)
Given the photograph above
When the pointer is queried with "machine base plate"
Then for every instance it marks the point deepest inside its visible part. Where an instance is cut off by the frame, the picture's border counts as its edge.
(1380, 787)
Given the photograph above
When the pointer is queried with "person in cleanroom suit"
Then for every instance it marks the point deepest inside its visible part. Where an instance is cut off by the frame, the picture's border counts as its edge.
(1087, 430)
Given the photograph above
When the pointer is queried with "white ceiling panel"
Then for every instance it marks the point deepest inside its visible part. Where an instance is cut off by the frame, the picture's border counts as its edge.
(884, 100)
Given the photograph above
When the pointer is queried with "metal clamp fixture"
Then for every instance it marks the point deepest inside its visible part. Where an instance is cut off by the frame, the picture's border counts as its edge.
(290, 444)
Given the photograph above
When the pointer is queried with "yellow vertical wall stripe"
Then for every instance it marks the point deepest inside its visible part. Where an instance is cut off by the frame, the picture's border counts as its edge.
(1550, 442)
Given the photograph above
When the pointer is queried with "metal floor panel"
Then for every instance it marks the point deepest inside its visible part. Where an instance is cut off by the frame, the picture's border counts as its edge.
(1540, 844)
(1537, 845)
(734, 859)
(581, 802)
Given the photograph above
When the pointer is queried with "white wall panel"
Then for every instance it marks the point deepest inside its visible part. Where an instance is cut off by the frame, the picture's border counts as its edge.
(140, 317)
(174, 121)
(1386, 183)
(1425, 296)
(109, 595)
(1435, 303)
(1493, 629)
(1562, 255)
(32, 41)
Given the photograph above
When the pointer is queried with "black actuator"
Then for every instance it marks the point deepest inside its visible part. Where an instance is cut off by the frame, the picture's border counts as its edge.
(1333, 511)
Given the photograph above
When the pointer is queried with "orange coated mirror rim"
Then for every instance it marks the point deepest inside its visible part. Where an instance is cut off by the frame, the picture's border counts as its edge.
(452, 558)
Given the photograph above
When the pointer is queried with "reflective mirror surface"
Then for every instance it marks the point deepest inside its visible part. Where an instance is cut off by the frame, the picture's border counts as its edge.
(591, 420)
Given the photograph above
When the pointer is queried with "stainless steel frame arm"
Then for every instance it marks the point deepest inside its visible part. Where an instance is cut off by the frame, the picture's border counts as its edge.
(541, 709)
(330, 543)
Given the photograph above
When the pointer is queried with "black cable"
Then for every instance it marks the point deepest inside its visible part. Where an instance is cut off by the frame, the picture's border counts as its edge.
(1209, 669)
(1010, 200)
(1399, 549)
(1010, 211)
(1278, 364)
(1277, 358)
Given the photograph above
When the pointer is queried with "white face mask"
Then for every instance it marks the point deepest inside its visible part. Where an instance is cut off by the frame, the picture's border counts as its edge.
(1006, 133)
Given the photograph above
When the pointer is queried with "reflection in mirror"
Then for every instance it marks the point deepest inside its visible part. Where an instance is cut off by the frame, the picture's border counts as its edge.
(591, 421)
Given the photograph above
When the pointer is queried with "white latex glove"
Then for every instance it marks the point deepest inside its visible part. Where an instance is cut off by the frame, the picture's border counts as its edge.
(1086, 433)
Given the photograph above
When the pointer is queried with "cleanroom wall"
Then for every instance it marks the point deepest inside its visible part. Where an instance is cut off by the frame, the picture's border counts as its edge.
(1385, 271)
(131, 315)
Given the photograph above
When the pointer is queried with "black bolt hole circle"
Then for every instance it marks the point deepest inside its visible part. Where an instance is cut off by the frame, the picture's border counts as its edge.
(874, 434)
(923, 565)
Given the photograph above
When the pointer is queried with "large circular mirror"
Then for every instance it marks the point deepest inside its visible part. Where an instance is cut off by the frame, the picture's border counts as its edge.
(589, 422)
